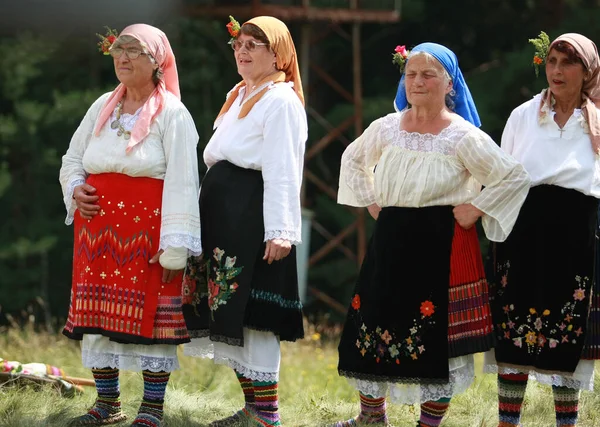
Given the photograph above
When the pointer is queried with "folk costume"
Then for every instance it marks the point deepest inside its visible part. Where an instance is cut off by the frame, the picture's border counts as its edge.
(420, 308)
(250, 195)
(148, 184)
(546, 313)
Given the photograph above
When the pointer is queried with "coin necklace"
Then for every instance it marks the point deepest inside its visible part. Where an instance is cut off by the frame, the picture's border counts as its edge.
(116, 124)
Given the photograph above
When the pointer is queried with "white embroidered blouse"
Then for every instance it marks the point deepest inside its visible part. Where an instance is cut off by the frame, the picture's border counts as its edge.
(392, 167)
(271, 139)
(550, 155)
(167, 153)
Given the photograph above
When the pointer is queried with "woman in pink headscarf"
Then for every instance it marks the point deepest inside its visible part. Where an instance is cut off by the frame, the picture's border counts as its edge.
(546, 313)
(130, 184)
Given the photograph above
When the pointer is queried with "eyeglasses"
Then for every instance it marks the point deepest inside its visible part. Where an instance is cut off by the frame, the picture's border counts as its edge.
(131, 52)
(249, 44)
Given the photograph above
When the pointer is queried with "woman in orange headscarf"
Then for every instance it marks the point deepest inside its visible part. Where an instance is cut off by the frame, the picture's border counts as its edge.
(130, 183)
(546, 313)
(250, 215)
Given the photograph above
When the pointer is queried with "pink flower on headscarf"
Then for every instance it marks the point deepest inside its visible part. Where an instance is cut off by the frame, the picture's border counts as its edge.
(157, 44)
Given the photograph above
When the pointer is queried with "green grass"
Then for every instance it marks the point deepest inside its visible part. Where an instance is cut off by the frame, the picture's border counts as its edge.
(311, 392)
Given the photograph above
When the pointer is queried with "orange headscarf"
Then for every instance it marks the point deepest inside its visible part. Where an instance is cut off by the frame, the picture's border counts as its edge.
(590, 92)
(282, 44)
(159, 47)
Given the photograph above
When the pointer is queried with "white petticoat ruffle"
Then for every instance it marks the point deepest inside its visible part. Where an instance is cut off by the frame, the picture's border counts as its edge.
(462, 374)
(259, 359)
(581, 379)
(98, 351)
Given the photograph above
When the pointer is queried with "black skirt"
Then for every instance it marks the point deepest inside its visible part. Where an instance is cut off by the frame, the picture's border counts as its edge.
(240, 289)
(397, 324)
(544, 274)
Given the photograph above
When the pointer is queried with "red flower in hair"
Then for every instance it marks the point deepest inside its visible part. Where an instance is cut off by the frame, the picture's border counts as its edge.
(233, 27)
(107, 40)
(356, 302)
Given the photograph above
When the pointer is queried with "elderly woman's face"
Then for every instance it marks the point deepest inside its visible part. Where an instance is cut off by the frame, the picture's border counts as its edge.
(255, 64)
(426, 83)
(565, 77)
(133, 72)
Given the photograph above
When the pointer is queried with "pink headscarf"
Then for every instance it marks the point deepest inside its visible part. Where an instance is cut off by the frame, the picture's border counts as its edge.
(590, 92)
(157, 44)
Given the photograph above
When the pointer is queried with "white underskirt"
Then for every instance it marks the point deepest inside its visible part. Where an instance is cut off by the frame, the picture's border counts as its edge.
(258, 359)
(462, 374)
(581, 379)
(98, 351)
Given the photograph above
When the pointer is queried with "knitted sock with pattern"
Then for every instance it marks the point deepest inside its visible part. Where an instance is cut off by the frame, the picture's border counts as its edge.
(566, 402)
(247, 389)
(372, 411)
(433, 412)
(511, 392)
(266, 406)
(242, 414)
(108, 402)
(150, 413)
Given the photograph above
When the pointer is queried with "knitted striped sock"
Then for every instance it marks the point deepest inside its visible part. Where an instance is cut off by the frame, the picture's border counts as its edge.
(108, 402)
(242, 414)
(511, 392)
(150, 413)
(372, 411)
(266, 405)
(566, 401)
(247, 389)
(433, 412)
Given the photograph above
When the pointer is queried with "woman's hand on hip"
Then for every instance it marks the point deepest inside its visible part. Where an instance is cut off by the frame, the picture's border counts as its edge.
(168, 274)
(374, 210)
(466, 215)
(85, 200)
(277, 249)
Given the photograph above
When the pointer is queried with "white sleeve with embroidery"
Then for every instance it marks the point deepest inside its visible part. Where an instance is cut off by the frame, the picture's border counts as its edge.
(357, 172)
(72, 172)
(285, 135)
(180, 223)
(506, 183)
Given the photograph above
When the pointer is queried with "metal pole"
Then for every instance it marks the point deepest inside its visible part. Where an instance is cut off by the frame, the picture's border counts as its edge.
(358, 122)
(305, 32)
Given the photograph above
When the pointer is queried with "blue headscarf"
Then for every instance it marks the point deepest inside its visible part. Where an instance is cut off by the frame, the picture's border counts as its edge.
(463, 101)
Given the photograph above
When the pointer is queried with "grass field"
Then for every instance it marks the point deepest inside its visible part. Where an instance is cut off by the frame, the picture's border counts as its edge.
(311, 392)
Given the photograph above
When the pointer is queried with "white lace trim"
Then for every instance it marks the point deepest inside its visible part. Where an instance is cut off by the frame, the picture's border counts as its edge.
(69, 202)
(292, 236)
(459, 381)
(584, 382)
(207, 352)
(129, 362)
(443, 143)
(192, 243)
(581, 379)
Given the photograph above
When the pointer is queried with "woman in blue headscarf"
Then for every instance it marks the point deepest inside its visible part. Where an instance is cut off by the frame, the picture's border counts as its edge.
(420, 307)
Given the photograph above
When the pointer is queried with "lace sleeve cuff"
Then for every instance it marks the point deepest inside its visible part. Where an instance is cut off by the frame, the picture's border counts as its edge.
(69, 202)
(192, 243)
(293, 236)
